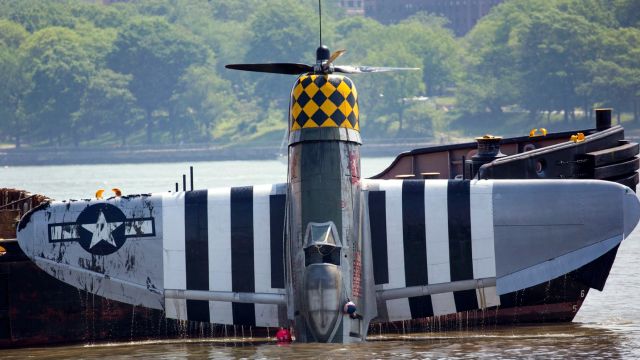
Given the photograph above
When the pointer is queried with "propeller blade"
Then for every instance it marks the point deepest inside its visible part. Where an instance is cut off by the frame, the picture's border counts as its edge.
(356, 69)
(336, 55)
(276, 68)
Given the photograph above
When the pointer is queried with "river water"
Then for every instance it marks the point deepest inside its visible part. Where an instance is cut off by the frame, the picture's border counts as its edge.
(607, 326)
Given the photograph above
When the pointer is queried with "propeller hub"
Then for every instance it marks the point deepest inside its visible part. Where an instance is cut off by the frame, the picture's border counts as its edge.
(323, 68)
(322, 54)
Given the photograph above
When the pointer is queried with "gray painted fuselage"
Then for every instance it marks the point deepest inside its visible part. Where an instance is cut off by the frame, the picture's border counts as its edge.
(325, 191)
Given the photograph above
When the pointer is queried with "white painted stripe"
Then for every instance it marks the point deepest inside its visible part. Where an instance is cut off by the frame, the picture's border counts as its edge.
(437, 235)
(491, 294)
(219, 233)
(64, 232)
(173, 258)
(482, 239)
(138, 227)
(266, 314)
(487, 297)
(437, 231)
(443, 304)
(397, 309)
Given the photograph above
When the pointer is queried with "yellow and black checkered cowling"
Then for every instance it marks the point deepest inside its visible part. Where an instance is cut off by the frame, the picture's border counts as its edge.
(324, 101)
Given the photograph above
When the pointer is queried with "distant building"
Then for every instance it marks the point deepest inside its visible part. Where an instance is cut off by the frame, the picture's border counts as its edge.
(353, 7)
(462, 14)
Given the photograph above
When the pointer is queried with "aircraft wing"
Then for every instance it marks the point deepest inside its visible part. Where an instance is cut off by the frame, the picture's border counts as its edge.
(208, 255)
(443, 246)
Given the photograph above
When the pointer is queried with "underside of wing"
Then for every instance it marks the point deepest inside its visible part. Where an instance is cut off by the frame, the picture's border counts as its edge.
(445, 246)
(207, 255)
(432, 247)
(225, 263)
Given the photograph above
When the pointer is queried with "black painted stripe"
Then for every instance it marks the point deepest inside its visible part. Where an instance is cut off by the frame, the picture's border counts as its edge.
(242, 262)
(415, 245)
(378, 227)
(460, 257)
(277, 205)
(465, 300)
(196, 251)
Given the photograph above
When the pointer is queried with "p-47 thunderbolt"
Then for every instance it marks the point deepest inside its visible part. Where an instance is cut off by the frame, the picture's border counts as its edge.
(327, 252)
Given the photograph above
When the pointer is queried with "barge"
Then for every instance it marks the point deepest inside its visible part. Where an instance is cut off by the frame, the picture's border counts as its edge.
(38, 309)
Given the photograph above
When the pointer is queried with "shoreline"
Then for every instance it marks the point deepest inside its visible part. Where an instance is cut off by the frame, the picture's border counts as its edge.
(177, 153)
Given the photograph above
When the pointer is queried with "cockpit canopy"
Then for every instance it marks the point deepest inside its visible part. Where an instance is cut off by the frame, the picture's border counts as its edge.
(322, 244)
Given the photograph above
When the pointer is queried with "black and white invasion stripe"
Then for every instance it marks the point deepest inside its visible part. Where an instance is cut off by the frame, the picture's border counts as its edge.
(230, 240)
(432, 232)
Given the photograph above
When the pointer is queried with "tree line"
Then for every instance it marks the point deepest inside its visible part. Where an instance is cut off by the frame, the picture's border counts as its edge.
(78, 73)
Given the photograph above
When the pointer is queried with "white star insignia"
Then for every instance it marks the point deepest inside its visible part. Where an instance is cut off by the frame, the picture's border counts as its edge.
(102, 230)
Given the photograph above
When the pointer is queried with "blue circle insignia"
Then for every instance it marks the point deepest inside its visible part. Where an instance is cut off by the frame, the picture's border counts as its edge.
(101, 229)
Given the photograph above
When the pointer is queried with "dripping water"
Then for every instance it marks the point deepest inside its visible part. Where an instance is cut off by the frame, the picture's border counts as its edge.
(133, 317)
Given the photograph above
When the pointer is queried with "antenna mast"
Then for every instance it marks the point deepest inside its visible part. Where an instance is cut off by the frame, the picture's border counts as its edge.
(320, 12)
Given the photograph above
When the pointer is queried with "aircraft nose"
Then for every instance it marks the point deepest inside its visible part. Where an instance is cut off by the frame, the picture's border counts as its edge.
(631, 211)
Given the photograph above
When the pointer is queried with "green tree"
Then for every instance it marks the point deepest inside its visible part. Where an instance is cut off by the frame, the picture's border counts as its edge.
(438, 49)
(13, 80)
(36, 15)
(553, 48)
(358, 36)
(108, 105)
(12, 34)
(533, 54)
(386, 96)
(96, 42)
(280, 32)
(59, 69)
(627, 12)
(424, 119)
(239, 11)
(11, 95)
(112, 16)
(224, 27)
(90, 69)
(614, 77)
(202, 99)
(599, 12)
(492, 74)
(156, 54)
